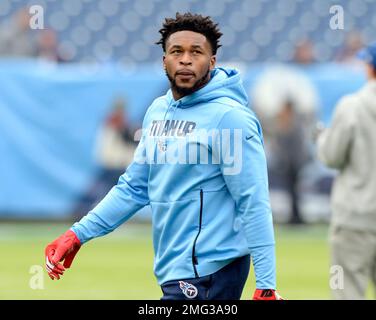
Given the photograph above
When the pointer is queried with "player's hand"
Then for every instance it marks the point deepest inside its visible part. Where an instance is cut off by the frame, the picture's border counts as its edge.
(266, 294)
(64, 248)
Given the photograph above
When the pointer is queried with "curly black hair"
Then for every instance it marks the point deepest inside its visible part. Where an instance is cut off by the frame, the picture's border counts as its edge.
(191, 22)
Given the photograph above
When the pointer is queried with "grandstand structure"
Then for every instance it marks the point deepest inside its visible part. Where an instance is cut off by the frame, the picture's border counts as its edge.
(254, 30)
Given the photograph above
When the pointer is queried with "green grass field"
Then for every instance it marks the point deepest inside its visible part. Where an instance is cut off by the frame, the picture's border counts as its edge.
(119, 266)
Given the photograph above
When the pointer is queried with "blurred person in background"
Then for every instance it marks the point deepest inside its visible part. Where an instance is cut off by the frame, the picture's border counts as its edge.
(304, 52)
(114, 152)
(290, 153)
(286, 102)
(47, 46)
(17, 39)
(349, 145)
(353, 43)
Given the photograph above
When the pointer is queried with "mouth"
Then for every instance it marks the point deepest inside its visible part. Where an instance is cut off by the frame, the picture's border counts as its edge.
(185, 74)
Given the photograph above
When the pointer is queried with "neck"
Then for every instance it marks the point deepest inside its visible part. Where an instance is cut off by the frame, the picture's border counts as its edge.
(176, 95)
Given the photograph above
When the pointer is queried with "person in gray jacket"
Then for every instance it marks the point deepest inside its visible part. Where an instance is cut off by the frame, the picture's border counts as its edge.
(349, 145)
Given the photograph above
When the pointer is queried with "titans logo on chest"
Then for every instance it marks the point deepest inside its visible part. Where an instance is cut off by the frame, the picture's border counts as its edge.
(171, 128)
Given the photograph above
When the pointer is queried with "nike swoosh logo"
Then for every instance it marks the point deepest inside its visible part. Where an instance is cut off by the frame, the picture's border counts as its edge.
(250, 137)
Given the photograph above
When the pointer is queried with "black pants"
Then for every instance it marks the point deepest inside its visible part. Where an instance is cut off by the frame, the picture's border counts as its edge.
(225, 284)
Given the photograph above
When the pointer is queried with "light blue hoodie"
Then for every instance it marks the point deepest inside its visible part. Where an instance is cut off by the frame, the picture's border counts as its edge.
(210, 209)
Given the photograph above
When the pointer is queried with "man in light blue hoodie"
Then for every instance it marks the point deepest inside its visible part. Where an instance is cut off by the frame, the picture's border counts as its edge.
(200, 165)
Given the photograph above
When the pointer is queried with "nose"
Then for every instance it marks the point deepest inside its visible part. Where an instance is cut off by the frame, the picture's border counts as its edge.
(186, 59)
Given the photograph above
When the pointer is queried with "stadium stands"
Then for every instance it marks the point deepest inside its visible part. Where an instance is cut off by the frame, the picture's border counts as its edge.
(257, 30)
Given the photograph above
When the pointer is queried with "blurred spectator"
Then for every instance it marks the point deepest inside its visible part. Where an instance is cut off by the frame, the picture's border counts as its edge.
(349, 146)
(289, 153)
(16, 37)
(116, 139)
(286, 103)
(353, 43)
(304, 52)
(115, 150)
(48, 46)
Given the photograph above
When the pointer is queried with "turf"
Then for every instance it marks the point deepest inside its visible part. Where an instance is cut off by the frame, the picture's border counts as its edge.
(120, 265)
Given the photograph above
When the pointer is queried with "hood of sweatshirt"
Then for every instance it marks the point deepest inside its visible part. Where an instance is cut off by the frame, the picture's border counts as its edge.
(223, 83)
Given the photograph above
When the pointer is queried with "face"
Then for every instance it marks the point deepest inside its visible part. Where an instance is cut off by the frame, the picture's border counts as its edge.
(188, 61)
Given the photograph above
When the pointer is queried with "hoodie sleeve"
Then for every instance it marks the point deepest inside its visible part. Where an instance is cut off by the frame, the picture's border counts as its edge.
(333, 144)
(121, 203)
(243, 165)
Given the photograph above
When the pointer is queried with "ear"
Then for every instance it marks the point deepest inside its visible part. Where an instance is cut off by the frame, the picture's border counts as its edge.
(213, 60)
(164, 62)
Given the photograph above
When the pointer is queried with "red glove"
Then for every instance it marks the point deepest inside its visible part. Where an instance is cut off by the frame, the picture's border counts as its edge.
(266, 294)
(63, 248)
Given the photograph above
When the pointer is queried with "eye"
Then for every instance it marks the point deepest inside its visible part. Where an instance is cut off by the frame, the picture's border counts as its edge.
(196, 51)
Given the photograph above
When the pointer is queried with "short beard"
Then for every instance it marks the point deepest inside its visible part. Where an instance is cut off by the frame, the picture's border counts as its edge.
(187, 91)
